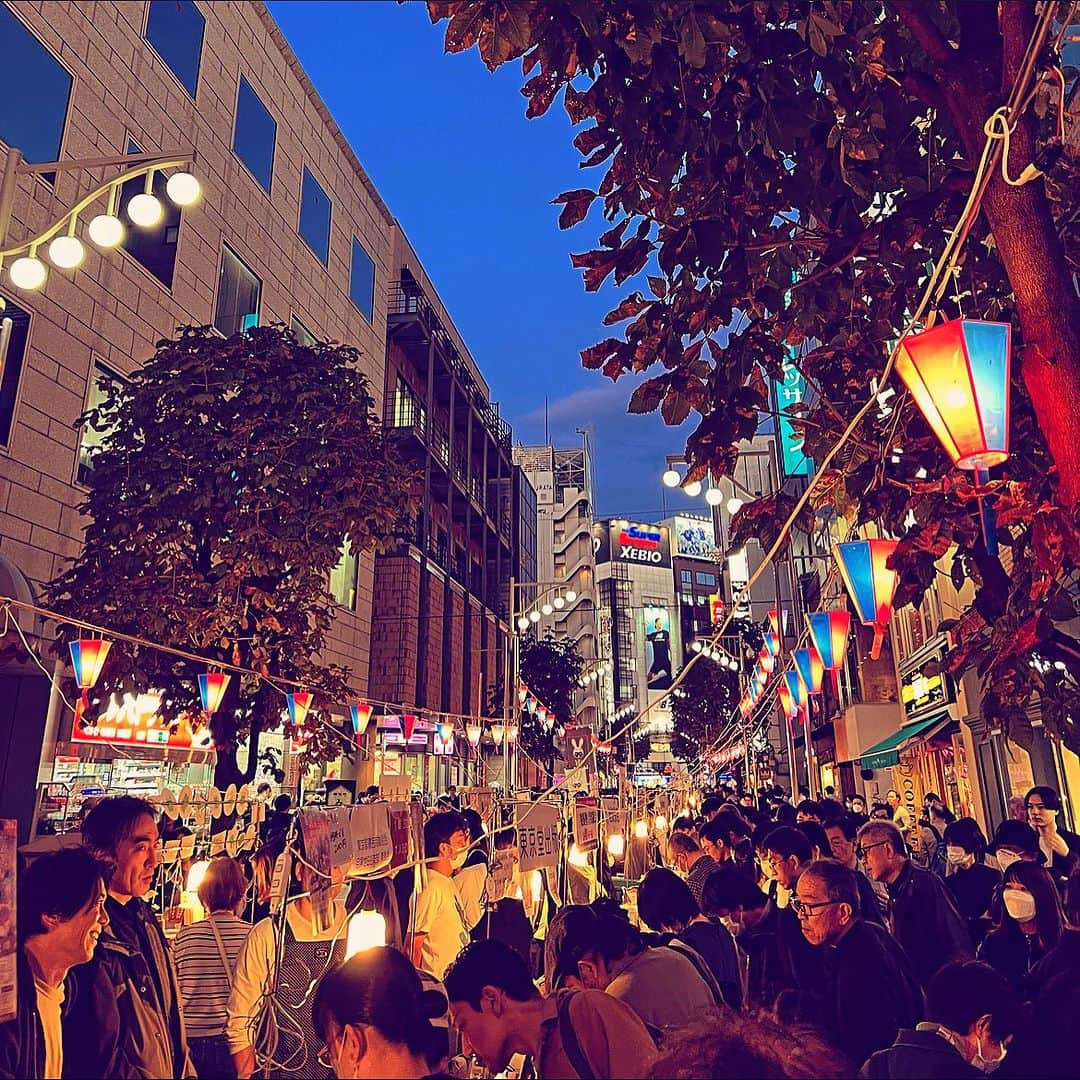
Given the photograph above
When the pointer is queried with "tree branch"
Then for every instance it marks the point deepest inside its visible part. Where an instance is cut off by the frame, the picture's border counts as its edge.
(915, 15)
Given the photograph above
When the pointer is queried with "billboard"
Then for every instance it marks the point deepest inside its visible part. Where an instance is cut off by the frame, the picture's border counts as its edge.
(789, 392)
(657, 624)
(632, 542)
(694, 538)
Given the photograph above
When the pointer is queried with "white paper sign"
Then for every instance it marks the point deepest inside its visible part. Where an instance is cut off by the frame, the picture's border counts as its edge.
(395, 788)
(538, 835)
(586, 823)
(372, 845)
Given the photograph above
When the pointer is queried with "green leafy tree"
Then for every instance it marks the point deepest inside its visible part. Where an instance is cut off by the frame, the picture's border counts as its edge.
(703, 709)
(550, 668)
(231, 473)
(777, 177)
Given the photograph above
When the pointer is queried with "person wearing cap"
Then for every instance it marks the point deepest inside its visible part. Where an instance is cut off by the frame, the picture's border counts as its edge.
(1060, 848)
(1015, 840)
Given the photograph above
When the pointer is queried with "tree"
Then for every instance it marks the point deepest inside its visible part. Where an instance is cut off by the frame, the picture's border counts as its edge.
(232, 471)
(781, 173)
(702, 709)
(550, 668)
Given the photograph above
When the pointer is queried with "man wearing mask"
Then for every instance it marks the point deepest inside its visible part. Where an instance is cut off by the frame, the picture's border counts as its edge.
(439, 930)
(1015, 840)
(1060, 848)
(688, 860)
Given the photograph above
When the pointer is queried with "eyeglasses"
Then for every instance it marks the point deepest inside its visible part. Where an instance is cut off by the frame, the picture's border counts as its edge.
(805, 910)
(861, 850)
(324, 1058)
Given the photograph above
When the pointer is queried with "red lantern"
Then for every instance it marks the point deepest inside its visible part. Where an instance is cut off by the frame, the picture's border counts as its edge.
(87, 658)
(212, 687)
(408, 725)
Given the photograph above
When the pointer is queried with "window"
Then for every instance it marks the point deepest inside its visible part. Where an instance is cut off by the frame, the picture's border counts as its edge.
(343, 578)
(303, 335)
(102, 380)
(687, 599)
(37, 89)
(408, 410)
(706, 579)
(702, 601)
(362, 280)
(315, 217)
(175, 29)
(254, 135)
(686, 577)
(238, 295)
(153, 248)
(14, 330)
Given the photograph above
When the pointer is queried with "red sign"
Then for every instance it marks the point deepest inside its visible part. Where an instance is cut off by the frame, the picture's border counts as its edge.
(134, 721)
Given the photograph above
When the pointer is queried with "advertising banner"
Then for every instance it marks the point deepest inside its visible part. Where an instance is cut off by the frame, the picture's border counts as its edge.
(133, 720)
(695, 538)
(791, 391)
(538, 836)
(586, 823)
(657, 625)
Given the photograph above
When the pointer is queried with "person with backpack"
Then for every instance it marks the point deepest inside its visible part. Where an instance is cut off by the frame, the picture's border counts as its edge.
(570, 1034)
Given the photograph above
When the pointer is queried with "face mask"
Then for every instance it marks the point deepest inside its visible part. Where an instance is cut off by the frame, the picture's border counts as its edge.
(1006, 858)
(958, 856)
(733, 928)
(457, 860)
(1020, 905)
(987, 1065)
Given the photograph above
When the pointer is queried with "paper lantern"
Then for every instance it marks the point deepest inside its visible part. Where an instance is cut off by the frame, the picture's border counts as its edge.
(88, 658)
(511, 732)
(760, 676)
(783, 695)
(408, 725)
(796, 688)
(811, 669)
(498, 731)
(829, 633)
(473, 732)
(958, 374)
(446, 730)
(746, 707)
(361, 716)
(772, 643)
(766, 661)
(774, 625)
(532, 705)
(298, 704)
(212, 687)
(869, 582)
(523, 694)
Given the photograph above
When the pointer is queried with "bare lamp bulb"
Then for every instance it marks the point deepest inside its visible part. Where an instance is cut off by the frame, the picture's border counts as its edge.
(734, 505)
(671, 478)
(67, 252)
(571, 596)
(145, 210)
(28, 273)
(106, 230)
(559, 603)
(547, 609)
(183, 189)
(534, 616)
(523, 623)
(693, 489)
(714, 496)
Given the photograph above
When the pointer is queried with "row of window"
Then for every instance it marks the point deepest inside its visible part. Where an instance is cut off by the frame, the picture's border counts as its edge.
(33, 112)
(702, 578)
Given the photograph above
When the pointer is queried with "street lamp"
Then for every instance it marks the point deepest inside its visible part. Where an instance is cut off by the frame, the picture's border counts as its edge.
(64, 249)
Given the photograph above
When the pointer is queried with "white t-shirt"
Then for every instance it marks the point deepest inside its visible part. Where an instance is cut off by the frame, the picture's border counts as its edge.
(49, 1000)
(439, 916)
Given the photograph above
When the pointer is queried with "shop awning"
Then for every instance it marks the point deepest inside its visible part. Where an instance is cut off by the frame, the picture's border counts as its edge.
(887, 752)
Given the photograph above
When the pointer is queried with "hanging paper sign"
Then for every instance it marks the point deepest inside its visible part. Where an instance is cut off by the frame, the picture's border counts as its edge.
(501, 873)
(340, 835)
(372, 845)
(399, 833)
(315, 826)
(576, 779)
(9, 949)
(395, 787)
(538, 836)
(586, 823)
(482, 800)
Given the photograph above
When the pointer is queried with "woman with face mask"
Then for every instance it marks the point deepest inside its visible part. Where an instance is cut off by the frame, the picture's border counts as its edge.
(1029, 926)
(374, 1018)
(971, 882)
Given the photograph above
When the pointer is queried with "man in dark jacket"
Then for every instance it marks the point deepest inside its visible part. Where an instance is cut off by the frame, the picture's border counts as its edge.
(971, 1011)
(858, 1020)
(61, 914)
(125, 1020)
(923, 914)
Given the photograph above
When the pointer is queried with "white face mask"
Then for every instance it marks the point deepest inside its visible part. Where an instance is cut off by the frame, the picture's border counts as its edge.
(457, 859)
(1020, 905)
(958, 856)
(984, 1064)
(733, 928)
(1006, 858)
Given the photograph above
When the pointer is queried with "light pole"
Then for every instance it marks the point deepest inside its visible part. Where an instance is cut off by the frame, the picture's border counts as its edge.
(66, 250)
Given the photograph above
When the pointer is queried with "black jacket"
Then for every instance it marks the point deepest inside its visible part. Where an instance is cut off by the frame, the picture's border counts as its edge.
(926, 922)
(1061, 866)
(1012, 952)
(918, 1055)
(766, 971)
(125, 1021)
(871, 991)
(22, 1040)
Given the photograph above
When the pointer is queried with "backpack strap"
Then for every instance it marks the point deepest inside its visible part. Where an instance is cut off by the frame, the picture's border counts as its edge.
(571, 1047)
(700, 966)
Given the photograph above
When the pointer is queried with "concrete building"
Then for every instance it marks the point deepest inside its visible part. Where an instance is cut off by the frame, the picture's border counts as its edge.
(290, 230)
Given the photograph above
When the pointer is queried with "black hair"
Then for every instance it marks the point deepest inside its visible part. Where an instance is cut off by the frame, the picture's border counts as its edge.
(112, 821)
(785, 814)
(683, 823)
(1049, 918)
(961, 992)
(505, 838)
(808, 806)
(282, 803)
(728, 887)
(815, 833)
(965, 832)
(476, 823)
(682, 843)
(861, 798)
(665, 901)
(831, 808)
(787, 841)
(717, 830)
(488, 963)
(1051, 799)
(848, 824)
(380, 988)
(875, 807)
(837, 880)
(264, 786)
(711, 805)
(439, 828)
(62, 883)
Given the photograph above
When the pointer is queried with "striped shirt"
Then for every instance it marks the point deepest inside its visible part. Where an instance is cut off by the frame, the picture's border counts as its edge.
(204, 986)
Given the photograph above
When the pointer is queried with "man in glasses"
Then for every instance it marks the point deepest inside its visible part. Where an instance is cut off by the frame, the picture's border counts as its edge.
(923, 914)
(858, 1022)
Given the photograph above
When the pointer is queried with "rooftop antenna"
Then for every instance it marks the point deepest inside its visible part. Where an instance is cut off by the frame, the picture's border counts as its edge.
(547, 432)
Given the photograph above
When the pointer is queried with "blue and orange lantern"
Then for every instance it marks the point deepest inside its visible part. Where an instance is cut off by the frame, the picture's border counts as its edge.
(774, 626)
(360, 712)
(796, 688)
(298, 705)
(869, 582)
(87, 658)
(446, 730)
(829, 632)
(766, 660)
(810, 667)
(212, 687)
(783, 694)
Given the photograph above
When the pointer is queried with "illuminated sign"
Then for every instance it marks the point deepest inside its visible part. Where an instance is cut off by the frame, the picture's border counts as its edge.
(623, 541)
(695, 538)
(134, 720)
(920, 693)
(791, 391)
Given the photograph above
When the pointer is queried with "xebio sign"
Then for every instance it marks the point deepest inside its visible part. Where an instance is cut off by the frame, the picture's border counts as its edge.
(620, 541)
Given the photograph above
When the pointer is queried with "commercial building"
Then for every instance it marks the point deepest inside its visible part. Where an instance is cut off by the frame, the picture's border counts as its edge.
(698, 576)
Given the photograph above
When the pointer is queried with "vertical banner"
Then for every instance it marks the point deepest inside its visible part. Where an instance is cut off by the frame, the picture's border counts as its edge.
(9, 836)
(538, 836)
(399, 834)
(791, 391)
(586, 823)
(315, 825)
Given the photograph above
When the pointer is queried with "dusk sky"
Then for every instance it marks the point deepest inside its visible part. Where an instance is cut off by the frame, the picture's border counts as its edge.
(471, 180)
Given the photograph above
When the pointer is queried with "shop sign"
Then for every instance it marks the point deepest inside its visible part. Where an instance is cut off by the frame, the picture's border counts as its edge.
(134, 721)
(790, 391)
(586, 823)
(632, 542)
(919, 691)
(738, 576)
(538, 836)
(716, 609)
(695, 538)
(578, 741)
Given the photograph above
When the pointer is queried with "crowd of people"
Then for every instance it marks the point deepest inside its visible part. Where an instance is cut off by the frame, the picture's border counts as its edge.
(763, 939)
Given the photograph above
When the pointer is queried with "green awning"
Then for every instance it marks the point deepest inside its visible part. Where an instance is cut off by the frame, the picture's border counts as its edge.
(887, 752)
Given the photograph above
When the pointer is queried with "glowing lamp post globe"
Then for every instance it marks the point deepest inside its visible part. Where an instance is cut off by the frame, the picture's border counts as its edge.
(869, 582)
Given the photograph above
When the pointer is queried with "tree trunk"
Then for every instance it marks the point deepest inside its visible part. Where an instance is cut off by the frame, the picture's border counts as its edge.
(226, 769)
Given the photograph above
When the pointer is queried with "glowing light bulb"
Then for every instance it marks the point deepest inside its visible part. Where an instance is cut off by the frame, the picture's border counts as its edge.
(28, 273)
(534, 616)
(145, 210)
(577, 857)
(734, 505)
(547, 609)
(693, 489)
(67, 252)
(106, 231)
(367, 930)
(714, 496)
(183, 189)
(571, 596)
(671, 478)
(660, 822)
(616, 845)
(641, 829)
(523, 623)
(559, 603)
(696, 646)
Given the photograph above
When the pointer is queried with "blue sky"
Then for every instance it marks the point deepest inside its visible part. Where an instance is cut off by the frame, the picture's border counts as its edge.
(471, 180)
